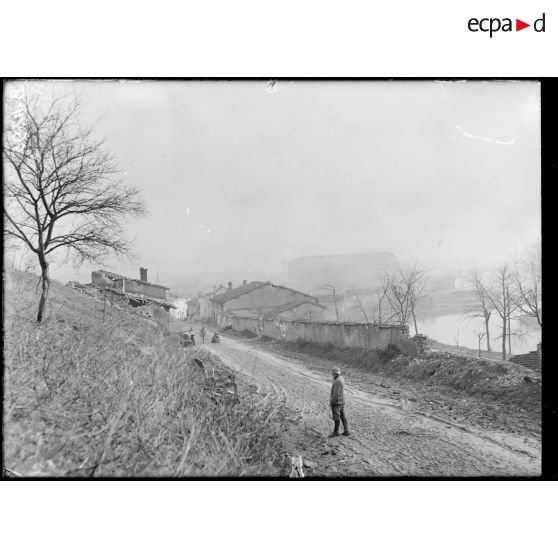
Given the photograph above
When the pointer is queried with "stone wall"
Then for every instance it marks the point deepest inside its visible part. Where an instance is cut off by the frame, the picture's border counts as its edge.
(342, 335)
(531, 360)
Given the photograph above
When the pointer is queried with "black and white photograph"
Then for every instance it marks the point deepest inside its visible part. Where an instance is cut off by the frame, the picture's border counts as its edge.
(272, 278)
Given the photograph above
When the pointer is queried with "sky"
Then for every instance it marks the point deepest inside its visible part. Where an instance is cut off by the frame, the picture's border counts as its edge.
(241, 176)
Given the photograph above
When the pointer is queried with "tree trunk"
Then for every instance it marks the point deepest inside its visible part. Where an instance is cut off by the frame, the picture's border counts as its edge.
(509, 335)
(45, 282)
(415, 322)
(504, 338)
(486, 320)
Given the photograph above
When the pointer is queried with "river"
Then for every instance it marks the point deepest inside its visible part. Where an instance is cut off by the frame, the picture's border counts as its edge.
(460, 329)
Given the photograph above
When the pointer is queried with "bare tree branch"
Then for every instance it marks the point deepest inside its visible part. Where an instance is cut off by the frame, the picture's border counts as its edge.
(527, 280)
(403, 288)
(482, 308)
(62, 190)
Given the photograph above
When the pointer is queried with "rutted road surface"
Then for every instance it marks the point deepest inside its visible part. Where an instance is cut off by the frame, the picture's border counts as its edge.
(388, 437)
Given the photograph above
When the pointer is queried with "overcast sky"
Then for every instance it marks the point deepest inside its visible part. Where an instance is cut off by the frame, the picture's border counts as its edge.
(240, 177)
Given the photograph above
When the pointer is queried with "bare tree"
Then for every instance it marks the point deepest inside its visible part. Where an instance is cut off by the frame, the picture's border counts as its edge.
(331, 289)
(417, 280)
(406, 287)
(482, 307)
(527, 280)
(397, 297)
(503, 300)
(479, 335)
(62, 194)
(357, 298)
(381, 294)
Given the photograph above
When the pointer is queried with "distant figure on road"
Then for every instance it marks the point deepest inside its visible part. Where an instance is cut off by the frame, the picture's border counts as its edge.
(215, 338)
(202, 334)
(337, 402)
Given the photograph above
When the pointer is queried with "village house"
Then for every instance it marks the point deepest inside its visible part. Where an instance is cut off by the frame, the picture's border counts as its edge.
(180, 310)
(139, 293)
(198, 307)
(193, 307)
(262, 299)
(297, 310)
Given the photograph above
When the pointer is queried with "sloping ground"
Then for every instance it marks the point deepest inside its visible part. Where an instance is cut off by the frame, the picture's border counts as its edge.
(495, 381)
(393, 432)
(85, 396)
(499, 381)
(484, 393)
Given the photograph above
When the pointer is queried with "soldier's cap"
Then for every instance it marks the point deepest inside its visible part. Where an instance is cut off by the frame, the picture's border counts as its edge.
(336, 370)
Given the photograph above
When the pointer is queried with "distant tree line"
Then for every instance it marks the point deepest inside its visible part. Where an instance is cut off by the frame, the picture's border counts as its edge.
(397, 297)
(510, 292)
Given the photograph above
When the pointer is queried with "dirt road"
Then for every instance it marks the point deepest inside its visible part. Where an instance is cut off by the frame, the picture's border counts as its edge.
(389, 437)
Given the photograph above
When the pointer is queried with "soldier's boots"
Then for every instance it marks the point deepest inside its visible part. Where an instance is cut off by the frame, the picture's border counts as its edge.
(335, 430)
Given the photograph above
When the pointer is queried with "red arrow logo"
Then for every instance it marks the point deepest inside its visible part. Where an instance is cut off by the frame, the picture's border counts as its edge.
(519, 25)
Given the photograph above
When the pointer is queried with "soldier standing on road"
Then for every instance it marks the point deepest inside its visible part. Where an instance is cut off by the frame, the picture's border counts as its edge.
(337, 402)
(202, 334)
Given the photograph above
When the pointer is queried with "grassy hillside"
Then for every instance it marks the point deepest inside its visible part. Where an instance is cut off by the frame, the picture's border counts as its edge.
(119, 397)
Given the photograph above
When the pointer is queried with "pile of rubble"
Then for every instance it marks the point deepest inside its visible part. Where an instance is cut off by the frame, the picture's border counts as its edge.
(218, 385)
(420, 343)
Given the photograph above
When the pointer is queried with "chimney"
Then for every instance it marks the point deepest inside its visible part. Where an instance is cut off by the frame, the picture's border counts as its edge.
(244, 282)
(230, 287)
(143, 274)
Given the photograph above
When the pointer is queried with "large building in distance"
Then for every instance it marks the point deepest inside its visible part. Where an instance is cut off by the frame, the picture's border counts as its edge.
(263, 300)
(343, 271)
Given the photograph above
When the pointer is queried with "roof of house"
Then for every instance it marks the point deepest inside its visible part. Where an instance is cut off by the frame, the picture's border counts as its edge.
(143, 299)
(238, 291)
(114, 277)
(249, 287)
(290, 306)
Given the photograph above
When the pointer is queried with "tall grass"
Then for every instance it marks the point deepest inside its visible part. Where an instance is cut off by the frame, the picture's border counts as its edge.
(119, 397)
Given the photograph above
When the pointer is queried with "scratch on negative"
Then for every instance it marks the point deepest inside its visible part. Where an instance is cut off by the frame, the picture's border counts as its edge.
(445, 95)
(466, 134)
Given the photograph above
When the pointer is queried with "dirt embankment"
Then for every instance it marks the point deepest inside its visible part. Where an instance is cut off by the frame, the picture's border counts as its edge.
(483, 393)
(95, 393)
(399, 427)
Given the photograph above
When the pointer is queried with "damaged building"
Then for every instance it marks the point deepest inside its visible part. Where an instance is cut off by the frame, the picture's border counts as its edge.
(147, 298)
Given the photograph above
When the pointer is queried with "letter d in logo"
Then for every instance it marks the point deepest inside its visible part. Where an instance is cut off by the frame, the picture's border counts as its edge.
(538, 26)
